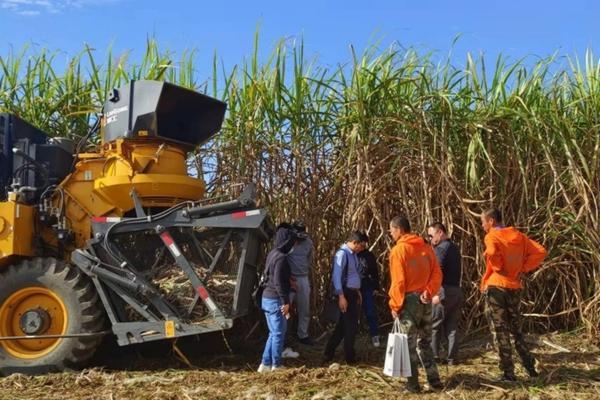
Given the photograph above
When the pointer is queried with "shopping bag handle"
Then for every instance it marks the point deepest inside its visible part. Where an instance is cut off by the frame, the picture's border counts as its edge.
(396, 327)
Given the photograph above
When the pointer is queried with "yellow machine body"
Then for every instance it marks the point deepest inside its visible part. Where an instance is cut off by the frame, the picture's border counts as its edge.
(16, 230)
(47, 205)
(102, 183)
(147, 130)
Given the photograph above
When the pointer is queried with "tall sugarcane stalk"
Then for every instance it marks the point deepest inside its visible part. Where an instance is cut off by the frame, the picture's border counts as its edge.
(391, 131)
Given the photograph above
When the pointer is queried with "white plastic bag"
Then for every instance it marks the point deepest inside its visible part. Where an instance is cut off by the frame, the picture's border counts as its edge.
(397, 358)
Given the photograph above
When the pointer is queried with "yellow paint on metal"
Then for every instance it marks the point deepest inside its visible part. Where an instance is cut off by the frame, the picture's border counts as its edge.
(23, 300)
(170, 329)
(156, 170)
(16, 235)
(101, 185)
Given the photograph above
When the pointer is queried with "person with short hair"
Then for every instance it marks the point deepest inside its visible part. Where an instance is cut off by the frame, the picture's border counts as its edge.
(369, 284)
(346, 286)
(415, 278)
(446, 311)
(508, 254)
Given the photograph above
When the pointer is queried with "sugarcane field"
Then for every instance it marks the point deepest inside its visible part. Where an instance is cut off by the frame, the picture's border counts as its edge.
(297, 209)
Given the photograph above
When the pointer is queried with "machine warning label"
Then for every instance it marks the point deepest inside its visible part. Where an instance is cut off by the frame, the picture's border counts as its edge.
(111, 116)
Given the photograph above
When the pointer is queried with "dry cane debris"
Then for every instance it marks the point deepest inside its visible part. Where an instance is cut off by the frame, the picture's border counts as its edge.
(573, 375)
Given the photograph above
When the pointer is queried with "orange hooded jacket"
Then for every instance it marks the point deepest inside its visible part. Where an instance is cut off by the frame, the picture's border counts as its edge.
(413, 268)
(508, 254)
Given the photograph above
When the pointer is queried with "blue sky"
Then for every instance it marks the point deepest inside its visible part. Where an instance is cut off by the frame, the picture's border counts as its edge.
(515, 28)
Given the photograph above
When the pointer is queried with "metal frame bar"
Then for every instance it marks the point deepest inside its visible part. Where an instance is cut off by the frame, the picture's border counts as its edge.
(254, 227)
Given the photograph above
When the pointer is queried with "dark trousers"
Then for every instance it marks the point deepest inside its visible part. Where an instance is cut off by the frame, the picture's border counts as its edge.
(415, 322)
(368, 305)
(444, 321)
(504, 317)
(345, 329)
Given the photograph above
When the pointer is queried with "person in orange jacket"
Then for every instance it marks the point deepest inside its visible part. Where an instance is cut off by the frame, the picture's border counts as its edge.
(508, 254)
(415, 277)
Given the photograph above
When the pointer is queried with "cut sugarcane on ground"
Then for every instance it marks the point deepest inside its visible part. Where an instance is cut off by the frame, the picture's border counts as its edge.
(178, 290)
(570, 368)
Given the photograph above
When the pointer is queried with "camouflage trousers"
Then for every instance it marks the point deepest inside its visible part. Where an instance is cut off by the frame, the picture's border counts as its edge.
(504, 318)
(415, 322)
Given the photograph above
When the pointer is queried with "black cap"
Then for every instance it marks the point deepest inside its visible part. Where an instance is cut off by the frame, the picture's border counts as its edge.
(299, 226)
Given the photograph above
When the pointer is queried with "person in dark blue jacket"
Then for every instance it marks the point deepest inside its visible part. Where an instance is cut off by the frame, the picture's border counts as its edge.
(276, 297)
(446, 309)
(369, 284)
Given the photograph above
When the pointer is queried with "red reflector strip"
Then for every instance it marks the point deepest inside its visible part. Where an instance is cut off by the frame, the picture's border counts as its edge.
(202, 293)
(166, 238)
(239, 215)
(106, 219)
(244, 214)
(206, 298)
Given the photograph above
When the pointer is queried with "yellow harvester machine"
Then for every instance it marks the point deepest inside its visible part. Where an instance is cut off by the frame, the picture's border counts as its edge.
(87, 238)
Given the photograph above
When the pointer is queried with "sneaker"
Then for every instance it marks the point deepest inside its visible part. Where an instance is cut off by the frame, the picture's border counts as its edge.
(308, 341)
(263, 368)
(289, 353)
(277, 367)
(375, 341)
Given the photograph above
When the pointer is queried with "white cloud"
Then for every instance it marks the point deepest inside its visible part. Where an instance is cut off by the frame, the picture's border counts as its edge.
(28, 12)
(36, 7)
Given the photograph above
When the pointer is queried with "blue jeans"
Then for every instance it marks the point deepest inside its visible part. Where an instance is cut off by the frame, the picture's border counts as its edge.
(277, 328)
(368, 303)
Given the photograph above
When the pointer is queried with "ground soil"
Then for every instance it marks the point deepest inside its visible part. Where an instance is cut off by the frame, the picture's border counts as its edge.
(156, 372)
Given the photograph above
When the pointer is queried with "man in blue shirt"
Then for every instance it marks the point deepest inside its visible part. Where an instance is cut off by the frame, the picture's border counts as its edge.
(345, 279)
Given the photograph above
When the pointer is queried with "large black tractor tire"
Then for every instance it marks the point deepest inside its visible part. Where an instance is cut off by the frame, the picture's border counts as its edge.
(45, 296)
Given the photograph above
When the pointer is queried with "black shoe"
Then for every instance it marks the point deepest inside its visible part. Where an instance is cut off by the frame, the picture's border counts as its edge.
(308, 341)
(436, 385)
(412, 388)
(532, 372)
(506, 377)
